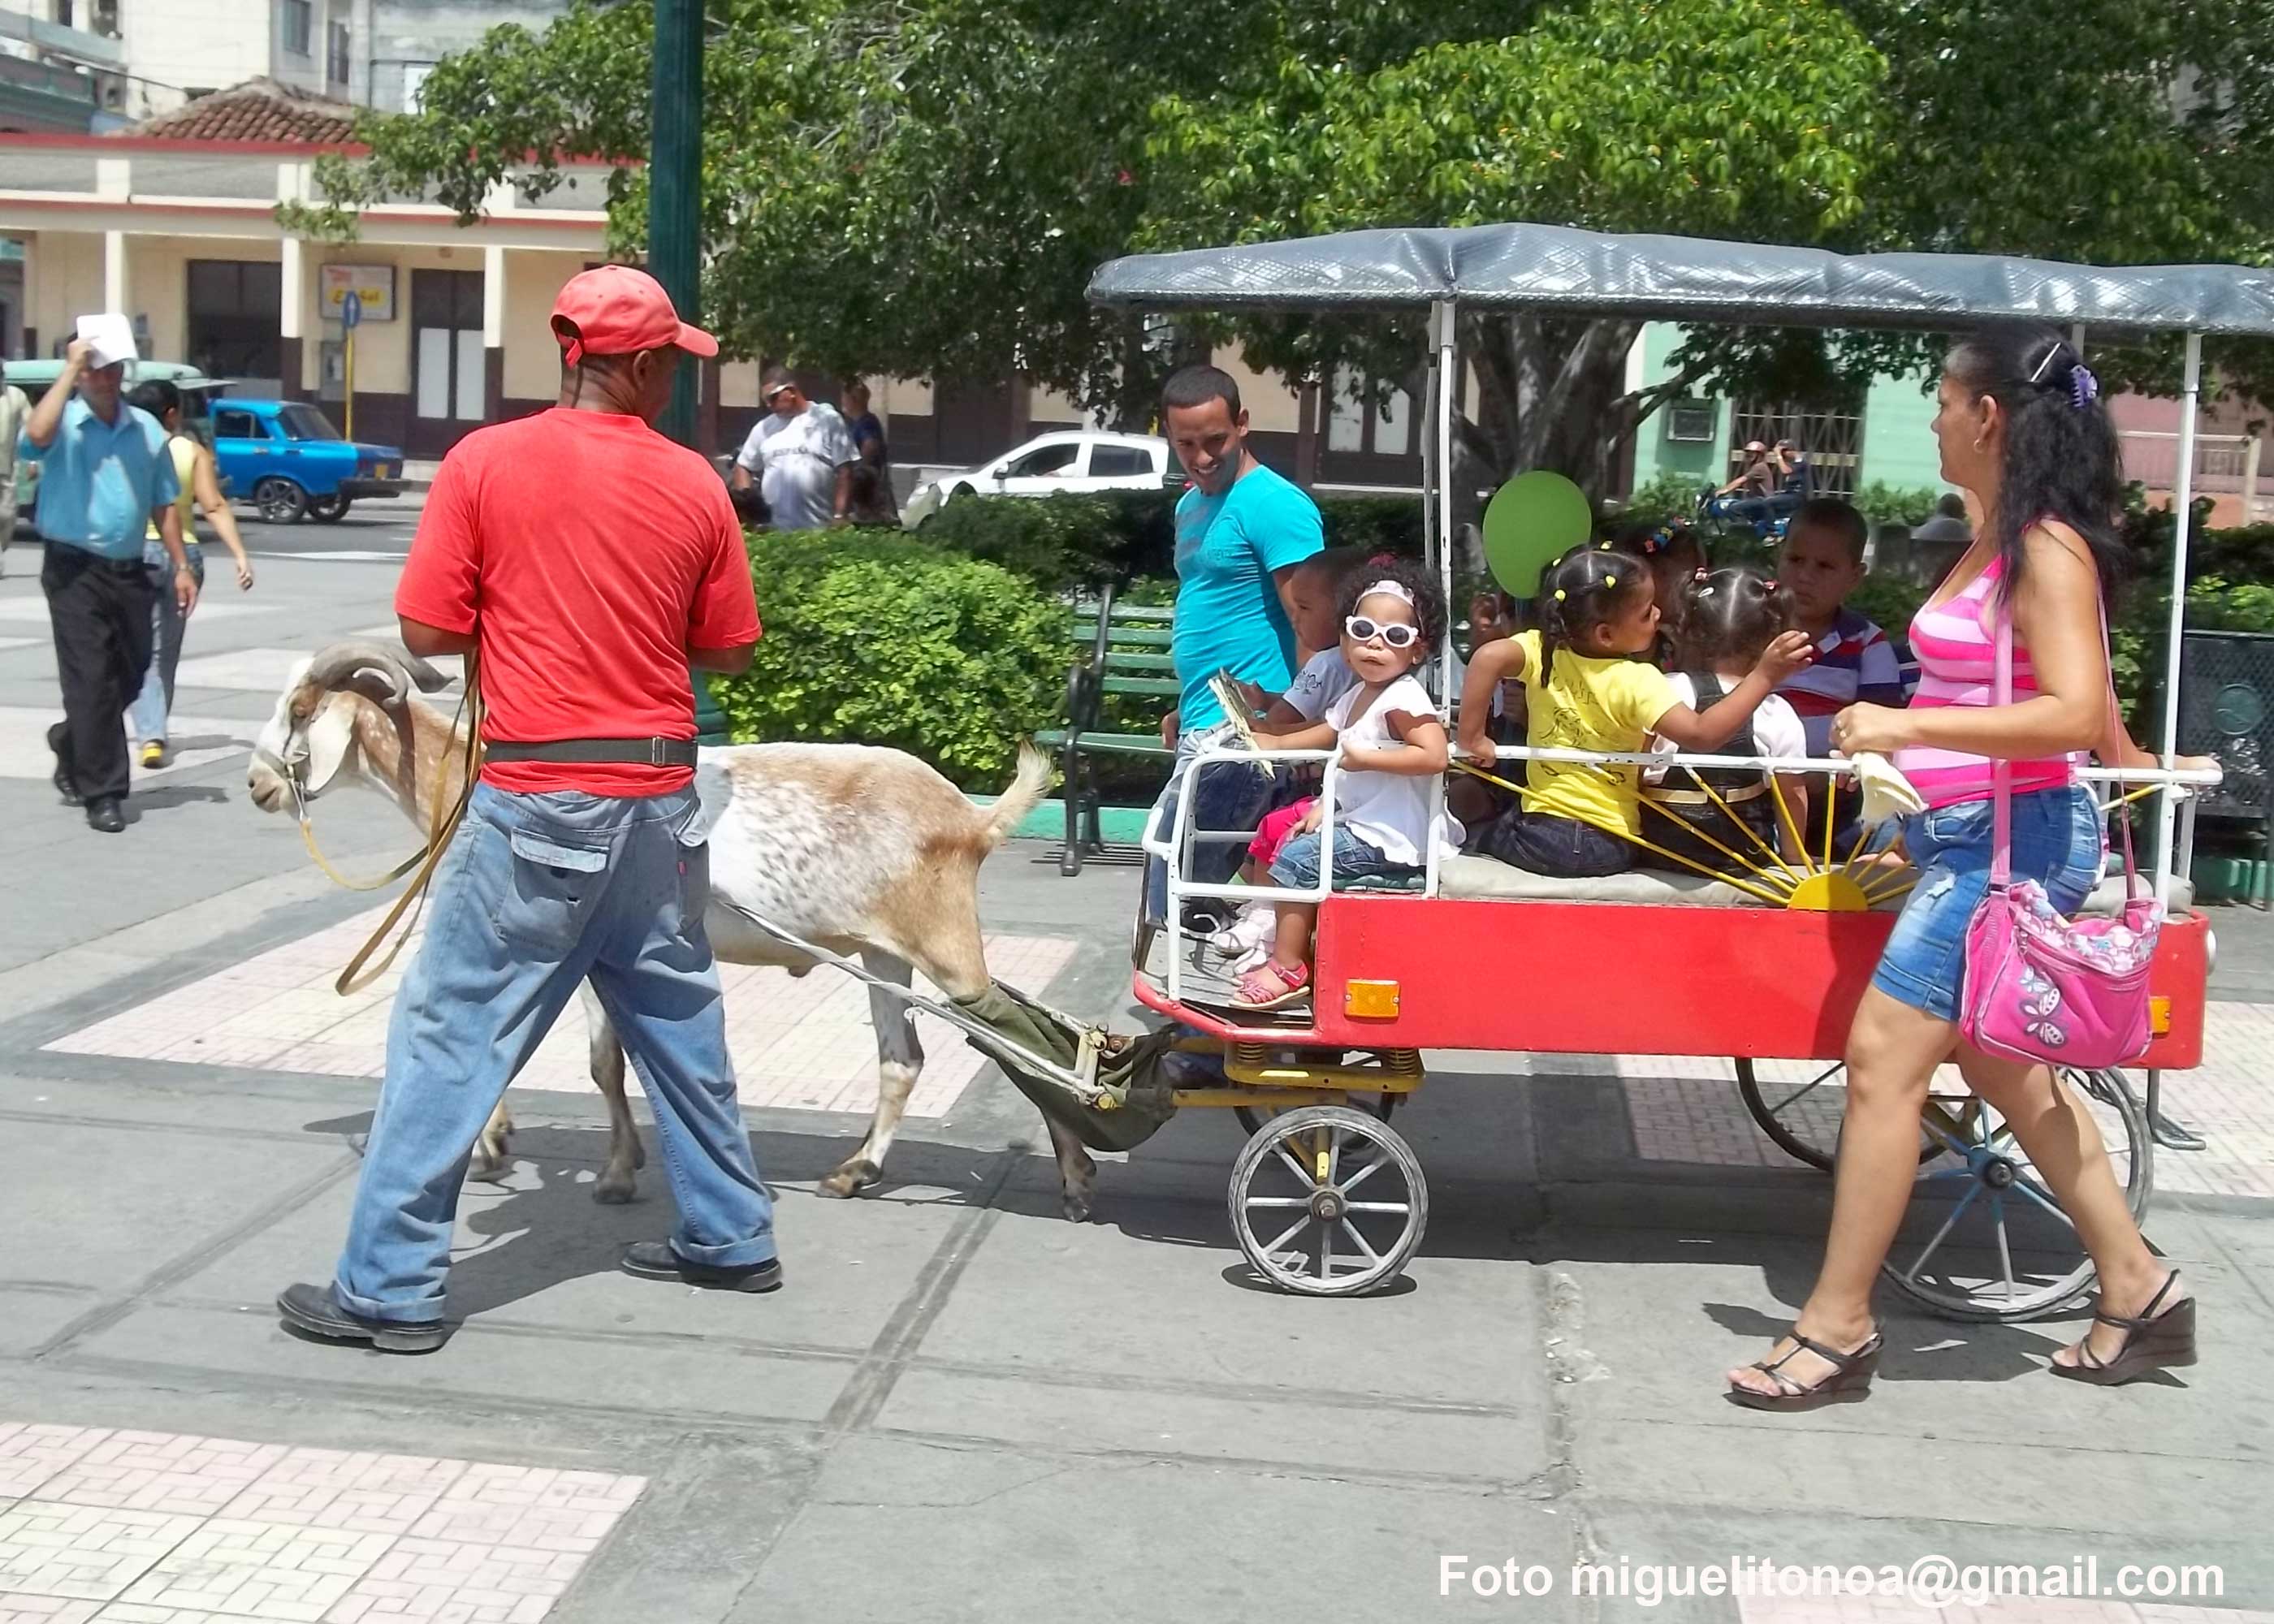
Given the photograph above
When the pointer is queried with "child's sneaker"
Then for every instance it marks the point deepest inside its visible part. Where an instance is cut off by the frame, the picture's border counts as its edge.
(1257, 925)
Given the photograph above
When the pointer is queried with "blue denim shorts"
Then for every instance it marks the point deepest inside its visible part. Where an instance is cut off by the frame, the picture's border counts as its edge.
(2058, 841)
(1297, 866)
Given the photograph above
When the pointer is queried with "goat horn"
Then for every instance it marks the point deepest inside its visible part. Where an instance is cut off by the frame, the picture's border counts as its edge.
(335, 665)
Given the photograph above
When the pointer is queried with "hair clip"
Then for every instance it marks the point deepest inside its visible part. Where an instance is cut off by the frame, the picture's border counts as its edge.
(2083, 387)
(1559, 594)
(1602, 546)
(1379, 559)
(1701, 574)
(1610, 581)
(1703, 593)
(1770, 584)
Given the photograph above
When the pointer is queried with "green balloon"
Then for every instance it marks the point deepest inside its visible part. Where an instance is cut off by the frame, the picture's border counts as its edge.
(1532, 520)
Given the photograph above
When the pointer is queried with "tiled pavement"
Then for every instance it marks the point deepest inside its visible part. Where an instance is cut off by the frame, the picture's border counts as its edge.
(104, 1527)
(799, 1044)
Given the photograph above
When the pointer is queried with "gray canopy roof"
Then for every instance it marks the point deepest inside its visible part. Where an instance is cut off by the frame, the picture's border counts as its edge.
(1556, 269)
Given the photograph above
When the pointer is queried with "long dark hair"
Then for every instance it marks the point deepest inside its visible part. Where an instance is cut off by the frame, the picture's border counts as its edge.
(2062, 459)
(1729, 615)
(1584, 589)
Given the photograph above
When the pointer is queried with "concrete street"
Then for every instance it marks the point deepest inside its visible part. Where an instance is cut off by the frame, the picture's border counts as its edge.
(960, 1407)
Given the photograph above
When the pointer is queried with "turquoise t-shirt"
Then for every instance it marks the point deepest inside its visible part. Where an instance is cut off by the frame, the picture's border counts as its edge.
(1228, 611)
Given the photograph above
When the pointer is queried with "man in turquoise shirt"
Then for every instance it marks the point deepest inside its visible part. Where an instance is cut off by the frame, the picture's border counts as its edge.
(1242, 533)
(104, 477)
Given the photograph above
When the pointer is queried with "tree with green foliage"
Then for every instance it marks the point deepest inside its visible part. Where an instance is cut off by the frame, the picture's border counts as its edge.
(923, 187)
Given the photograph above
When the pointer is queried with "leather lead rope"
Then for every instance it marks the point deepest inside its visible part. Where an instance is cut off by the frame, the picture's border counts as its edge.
(442, 823)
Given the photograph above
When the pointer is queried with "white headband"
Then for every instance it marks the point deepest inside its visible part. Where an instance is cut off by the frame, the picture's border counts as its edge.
(1388, 589)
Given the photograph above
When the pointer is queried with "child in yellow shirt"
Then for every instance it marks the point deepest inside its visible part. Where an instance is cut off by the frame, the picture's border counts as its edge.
(1585, 691)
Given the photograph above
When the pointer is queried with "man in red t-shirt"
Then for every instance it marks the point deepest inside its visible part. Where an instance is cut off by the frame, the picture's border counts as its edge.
(586, 562)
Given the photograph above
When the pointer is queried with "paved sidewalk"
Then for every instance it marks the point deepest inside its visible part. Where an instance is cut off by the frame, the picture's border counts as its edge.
(961, 1407)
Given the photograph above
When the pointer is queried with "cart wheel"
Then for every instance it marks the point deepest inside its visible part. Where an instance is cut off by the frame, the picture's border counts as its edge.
(1251, 1117)
(1985, 1239)
(1803, 1117)
(1340, 1194)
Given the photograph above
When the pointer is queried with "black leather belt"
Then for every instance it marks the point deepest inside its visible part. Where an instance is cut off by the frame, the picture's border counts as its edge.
(640, 752)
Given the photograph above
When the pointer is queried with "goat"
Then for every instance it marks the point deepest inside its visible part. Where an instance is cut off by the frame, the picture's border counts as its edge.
(854, 848)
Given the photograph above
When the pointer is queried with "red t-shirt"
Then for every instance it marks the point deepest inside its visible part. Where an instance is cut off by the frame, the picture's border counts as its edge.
(589, 553)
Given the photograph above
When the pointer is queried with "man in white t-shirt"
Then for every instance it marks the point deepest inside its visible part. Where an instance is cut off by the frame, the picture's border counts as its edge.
(801, 455)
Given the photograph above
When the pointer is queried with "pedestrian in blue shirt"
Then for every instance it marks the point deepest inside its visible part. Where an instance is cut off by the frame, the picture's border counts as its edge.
(104, 478)
(1242, 534)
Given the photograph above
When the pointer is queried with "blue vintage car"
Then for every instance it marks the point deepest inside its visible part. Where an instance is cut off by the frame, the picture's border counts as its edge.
(287, 460)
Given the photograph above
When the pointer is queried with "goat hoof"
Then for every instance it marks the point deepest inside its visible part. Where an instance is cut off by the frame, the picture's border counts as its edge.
(1077, 1208)
(614, 1192)
(851, 1179)
(488, 1168)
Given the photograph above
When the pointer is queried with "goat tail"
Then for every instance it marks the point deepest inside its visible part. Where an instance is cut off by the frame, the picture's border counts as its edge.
(1027, 787)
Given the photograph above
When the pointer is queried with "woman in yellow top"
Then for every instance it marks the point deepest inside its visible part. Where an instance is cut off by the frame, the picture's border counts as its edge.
(1584, 690)
(194, 473)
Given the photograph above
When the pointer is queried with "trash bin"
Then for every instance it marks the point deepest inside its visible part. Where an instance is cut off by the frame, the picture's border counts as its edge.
(2226, 710)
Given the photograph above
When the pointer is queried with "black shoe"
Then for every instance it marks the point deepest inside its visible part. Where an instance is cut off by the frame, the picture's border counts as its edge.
(65, 785)
(315, 1310)
(104, 815)
(655, 1261)
(1206, 916)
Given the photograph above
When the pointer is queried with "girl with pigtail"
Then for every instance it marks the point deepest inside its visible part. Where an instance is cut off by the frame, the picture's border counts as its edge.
(1585, 691)
(1724, 621)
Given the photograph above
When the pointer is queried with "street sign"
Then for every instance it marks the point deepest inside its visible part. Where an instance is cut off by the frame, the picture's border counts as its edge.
(350, 309)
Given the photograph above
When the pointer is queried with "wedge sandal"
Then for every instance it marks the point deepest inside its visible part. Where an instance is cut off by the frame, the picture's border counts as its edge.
(2153, 1341)
(1848, 1382)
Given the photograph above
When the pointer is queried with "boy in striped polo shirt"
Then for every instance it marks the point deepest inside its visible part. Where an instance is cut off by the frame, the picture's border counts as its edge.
(1821, 563)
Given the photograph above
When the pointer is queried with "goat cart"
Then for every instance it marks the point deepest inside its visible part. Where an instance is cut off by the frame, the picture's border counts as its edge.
(1327, 1198)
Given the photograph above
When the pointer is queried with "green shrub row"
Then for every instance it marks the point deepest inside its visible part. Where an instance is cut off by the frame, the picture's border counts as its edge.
(874, 637)
(1086, 540)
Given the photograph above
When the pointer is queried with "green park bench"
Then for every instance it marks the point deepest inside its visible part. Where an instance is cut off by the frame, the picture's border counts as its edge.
(1125, 650)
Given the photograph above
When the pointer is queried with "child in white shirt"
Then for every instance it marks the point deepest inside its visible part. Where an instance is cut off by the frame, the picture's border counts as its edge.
(1391, 746)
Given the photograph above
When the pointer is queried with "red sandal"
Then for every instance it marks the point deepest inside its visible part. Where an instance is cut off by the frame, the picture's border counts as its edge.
(1272, 985)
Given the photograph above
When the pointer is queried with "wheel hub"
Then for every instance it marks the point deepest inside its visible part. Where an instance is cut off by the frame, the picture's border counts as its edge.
(1999, 1173)
(1329, 1204)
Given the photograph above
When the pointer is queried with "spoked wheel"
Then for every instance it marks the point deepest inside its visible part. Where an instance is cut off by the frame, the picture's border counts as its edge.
(1984, 1238)
(1802, 1111)
(1327, 1201)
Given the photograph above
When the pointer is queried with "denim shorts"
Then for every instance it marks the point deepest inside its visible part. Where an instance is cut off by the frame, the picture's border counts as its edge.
(1297, 866)
(2060, 841)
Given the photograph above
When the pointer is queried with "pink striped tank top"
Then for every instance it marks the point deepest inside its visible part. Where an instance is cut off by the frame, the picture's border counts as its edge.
(1958, 667)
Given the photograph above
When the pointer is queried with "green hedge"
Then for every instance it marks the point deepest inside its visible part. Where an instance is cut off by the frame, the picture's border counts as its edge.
(875, 637)
(1079, 540)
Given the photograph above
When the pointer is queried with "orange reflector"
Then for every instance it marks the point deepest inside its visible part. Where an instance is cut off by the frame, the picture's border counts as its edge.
(2159, 1014)
(1371, 1000)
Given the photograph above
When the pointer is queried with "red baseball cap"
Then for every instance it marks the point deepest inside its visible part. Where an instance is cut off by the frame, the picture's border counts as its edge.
(617, 309)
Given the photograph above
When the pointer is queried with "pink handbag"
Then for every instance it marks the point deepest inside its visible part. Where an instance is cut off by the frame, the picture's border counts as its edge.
(2042, 988)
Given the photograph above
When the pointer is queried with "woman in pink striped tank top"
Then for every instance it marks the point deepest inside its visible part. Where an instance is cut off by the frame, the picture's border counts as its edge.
(2021, 427)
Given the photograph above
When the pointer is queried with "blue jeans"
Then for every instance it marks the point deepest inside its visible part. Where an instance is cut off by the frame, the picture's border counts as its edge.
(1297, 866)
(537, 893)
(2059, 840)
(1229, 795)
(150, 707)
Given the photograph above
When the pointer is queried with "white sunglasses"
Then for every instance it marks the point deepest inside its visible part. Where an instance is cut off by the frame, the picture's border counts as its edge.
(1394, 634)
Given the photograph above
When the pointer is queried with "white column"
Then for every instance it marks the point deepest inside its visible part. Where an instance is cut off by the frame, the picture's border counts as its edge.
(114, 271)
(493, 299)
(31, 241)
(293, 293)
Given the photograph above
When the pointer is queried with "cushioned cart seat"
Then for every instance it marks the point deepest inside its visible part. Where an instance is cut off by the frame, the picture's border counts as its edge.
(1487, 878)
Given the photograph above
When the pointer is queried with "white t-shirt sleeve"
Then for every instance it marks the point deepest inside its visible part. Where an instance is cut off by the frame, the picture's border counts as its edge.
(835, 441)
(753, 454)
(1776, 728)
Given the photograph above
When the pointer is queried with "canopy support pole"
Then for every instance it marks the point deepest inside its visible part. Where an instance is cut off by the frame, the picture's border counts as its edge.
(1437, 481)
(2183, 495)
